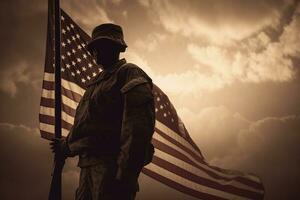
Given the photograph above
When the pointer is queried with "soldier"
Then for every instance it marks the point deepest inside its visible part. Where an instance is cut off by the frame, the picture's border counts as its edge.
(114, 123)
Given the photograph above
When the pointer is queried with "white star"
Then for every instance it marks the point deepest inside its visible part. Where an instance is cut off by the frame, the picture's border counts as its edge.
(72, 73)
(82, 44)
(78, 60)
(83, 80)
(84, 55)
(68, 41)
(73, 63)
(63, 31)
(68, 53)
(88, 77)
(62, 18)
(63, 57)
(90, 65)
(73, 38)
(78, 36)
(68, 28)
(161, 107)
(83, 68)
(158, 99)
(67, 66)
(63, 44)
(72, 26)
(73, 51)
(62, 69)
(79, 47)
(77, 71)
(94, 74)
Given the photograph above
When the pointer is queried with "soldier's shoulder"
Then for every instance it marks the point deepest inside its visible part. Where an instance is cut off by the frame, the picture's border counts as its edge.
(130, 67)
(133, 70)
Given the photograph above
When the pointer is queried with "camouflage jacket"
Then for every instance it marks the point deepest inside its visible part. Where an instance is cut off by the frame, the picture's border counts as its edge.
(115, 119)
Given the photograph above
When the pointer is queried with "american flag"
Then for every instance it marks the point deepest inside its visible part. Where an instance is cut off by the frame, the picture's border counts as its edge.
(177, 161)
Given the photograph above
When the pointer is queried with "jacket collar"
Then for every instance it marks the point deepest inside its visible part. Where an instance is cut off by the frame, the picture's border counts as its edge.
(108, 72)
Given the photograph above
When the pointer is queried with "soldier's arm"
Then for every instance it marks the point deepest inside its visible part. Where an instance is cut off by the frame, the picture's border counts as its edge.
(137, 125)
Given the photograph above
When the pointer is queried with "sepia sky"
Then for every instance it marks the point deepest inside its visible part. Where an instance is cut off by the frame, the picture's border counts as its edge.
(230, 68)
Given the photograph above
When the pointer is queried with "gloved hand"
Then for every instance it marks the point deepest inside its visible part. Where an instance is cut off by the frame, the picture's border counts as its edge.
(59, 146)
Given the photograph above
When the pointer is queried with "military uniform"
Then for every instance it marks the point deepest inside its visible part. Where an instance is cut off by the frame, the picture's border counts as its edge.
(112, 132)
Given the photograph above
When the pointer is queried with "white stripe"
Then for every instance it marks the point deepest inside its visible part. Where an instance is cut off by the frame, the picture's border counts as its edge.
(175, 136)
(66, 84)
(190, 168)
(190, 184)
(51, 112)
(49, 94)
(182, 141)
(50, 128)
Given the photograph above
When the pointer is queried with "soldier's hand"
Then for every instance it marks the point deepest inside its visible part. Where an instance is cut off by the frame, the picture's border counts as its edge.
(58, 146)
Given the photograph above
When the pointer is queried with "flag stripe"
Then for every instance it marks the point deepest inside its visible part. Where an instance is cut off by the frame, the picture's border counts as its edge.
(163, 145)
(184, 185)
(177, 140)
(65, 100)
(148, 170)
(51, 120)
(50, 128)
(49, 85)
(50, 111)
(229, 189)
(50, 103)
(198, 172)
(65, 83)
(47, 135)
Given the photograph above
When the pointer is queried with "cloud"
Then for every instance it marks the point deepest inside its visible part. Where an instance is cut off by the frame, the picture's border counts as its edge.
(18, 74)
(219, 21)
(88, 15)
(267, 147)
(214, 129)
(257, 60)
(151, 42)
(270, 148)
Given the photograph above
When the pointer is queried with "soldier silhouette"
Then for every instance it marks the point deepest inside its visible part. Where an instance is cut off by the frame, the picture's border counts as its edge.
(114, 123)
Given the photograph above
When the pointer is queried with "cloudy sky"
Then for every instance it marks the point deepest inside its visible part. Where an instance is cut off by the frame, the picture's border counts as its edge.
(231, 69)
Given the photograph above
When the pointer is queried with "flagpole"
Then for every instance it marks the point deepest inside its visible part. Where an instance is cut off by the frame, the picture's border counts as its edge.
(55, 189)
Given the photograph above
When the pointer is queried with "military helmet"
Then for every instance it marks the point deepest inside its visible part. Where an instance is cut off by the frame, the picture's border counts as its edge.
(108, 31)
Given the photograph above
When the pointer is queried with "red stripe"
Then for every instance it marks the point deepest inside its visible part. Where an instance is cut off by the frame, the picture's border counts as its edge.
(51, 120)
(176, 153)
(49, 85)
(203, 181)
(167, 137)
(169, 150)
(47, 135)
(50, 104)
(179, 187)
